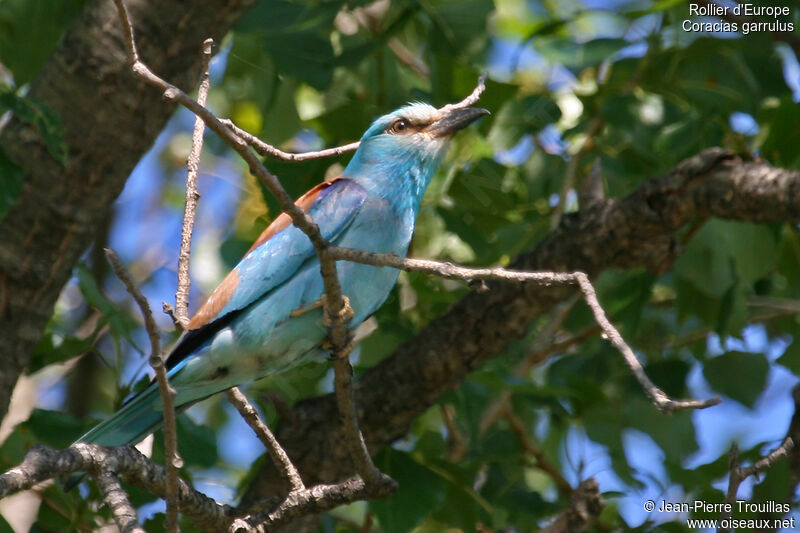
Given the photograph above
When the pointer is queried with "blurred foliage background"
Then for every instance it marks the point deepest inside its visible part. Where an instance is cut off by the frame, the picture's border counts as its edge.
(569, 81)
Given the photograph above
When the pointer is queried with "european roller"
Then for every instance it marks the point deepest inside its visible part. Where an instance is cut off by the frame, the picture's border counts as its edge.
(262, 318)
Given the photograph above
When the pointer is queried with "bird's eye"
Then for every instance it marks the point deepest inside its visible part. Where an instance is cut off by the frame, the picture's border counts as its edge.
(398, 126)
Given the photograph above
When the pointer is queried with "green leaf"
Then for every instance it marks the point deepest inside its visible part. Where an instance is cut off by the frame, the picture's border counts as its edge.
(519, 117)
(282, 16)
(96, 298)
(198, 444)
(4, 526)
(738, 375)
(420, 491)
(779, 135)
(791, 356)
(306, 55)
(706, 263)
(55, 428)
(46, 353)
(462, 507)
(16, 445)
(752, 247)
(12, 178)
(674, 434)
(47, 122)
(577, 55)
(679, 139)
(29, 31)
(457, 23)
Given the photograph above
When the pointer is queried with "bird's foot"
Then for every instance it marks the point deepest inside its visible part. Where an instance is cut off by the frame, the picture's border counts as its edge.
(319, 302)
(328, 319)
(343, 316)
(344, 351)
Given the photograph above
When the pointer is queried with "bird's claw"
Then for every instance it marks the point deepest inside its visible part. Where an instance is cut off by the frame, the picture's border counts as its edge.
(319, 302)
(344, 351)
(343, 316)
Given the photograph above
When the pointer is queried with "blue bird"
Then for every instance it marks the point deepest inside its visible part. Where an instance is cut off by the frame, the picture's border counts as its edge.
(264, 317)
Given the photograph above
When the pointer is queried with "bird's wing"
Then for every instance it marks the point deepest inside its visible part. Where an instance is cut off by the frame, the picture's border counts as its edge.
(274, 257)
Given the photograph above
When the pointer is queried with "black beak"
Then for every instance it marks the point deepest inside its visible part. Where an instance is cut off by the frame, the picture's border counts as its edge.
(456, 120)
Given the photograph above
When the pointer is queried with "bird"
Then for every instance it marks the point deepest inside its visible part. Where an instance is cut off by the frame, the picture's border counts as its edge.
(265, 316)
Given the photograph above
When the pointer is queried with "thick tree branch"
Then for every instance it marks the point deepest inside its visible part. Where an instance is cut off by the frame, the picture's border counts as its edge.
(42, 463)
(638, 230)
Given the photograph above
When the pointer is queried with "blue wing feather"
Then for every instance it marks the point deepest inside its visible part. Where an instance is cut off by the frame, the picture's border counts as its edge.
(280, 257)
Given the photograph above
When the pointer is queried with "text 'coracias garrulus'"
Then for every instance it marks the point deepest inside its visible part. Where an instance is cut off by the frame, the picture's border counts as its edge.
(249, 327)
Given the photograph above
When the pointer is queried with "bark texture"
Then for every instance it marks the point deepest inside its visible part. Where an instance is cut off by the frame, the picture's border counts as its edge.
(638, 230)
(109, 120)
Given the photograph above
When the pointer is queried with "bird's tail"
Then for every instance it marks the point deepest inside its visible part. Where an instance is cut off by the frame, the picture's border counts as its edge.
(140, 416)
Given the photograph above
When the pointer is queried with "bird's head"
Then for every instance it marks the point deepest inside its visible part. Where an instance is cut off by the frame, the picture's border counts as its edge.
(402, 149)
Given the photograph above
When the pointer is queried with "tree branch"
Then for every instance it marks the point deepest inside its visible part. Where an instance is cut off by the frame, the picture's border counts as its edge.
(267, 150)
(310, 501)
(262, 431)
(739, 474)
(518, 427)
(450, 271)
(42, 463)
(117, 501)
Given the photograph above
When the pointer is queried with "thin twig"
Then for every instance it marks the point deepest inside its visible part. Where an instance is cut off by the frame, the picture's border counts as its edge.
(312, 500)
(472, 98)
(739, 474)
(264, 434)
(268, 150)
(167, 392)
(343, 378)
(192, 167)
(117, 501)
(518, 427)
(457, 442)
(149, 324)
(450, 271)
